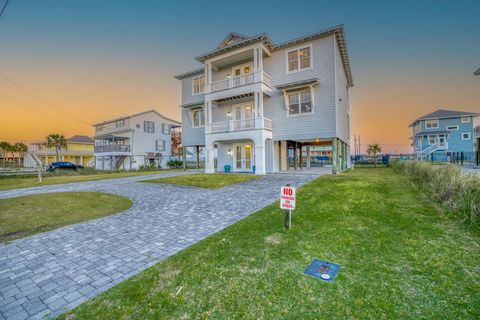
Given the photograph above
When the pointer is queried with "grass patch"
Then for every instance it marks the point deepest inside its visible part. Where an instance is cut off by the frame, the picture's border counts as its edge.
(27, 215)
(400, 259)
(27, 182)
(210, 181)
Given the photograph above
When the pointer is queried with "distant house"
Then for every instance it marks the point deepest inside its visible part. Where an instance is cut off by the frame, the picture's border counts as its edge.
(262, 107)
(443, 134)
(132, 141)
(79, 150)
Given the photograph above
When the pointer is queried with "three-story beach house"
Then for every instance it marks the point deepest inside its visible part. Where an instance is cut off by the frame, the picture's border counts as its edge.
(445, 135)
(141, 139)
(257, 106)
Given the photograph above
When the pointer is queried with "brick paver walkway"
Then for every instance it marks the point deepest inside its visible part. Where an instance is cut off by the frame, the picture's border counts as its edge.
(46, 274)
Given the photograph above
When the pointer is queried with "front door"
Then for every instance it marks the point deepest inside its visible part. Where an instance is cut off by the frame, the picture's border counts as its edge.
(441, 141)
(240, 74)
(243, 116)
(243, 157)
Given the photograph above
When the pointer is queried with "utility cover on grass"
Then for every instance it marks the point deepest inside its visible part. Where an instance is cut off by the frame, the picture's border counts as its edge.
(322, 270)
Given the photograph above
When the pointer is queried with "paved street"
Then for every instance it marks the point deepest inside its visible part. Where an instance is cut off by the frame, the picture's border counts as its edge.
(45, 274)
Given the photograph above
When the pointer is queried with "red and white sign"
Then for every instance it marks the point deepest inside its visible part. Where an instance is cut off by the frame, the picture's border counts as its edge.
(287, 198)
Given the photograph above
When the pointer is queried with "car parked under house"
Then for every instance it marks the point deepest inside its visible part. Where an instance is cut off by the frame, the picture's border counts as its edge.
(256, 104)
(141, 139)
(446, 135)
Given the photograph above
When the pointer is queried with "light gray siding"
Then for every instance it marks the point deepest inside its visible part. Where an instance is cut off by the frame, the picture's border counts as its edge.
(320, 124)
(342, 99)
(191, 136)
(187, 92)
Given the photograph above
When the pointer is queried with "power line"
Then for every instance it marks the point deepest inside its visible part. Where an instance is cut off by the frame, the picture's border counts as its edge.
(36, 112)
(16, 84)
(4, 6)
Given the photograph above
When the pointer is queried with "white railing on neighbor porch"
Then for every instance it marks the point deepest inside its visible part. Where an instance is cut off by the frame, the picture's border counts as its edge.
(427, 151)
(237, 81)
(239, 125)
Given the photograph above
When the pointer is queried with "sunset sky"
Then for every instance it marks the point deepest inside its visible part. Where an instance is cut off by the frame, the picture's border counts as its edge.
(97, 60)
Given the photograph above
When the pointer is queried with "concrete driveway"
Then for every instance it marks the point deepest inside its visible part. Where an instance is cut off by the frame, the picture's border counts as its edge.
(46, 274)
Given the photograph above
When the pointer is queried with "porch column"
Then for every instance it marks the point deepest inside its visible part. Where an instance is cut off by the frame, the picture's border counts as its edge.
(301, 156)
(334, 156)
(197, 150)
(255, 104)
(308, 158)
(284, 159)
(184, 155)
(210, 160)
(295, 155)
(260, 104)
(255, 59)
(208, 77)
(260, 59)
(260, 159)
(103, 162)
(81, 160)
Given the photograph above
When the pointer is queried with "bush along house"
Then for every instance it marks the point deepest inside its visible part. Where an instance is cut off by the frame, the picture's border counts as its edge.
(257, 106)
(131, 142)
(447, 135)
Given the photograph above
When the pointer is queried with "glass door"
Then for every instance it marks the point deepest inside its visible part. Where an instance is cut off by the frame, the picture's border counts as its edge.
(243, 116)
(243, 157)
(240, 74)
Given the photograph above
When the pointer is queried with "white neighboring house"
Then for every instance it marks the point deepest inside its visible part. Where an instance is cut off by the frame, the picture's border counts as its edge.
(129, 142)
(264, 107)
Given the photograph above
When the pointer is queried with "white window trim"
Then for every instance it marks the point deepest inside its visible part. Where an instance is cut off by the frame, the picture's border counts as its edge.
(298, 49)
(163, 128)
(465, 139)
(200, 92)
(432, 136)
(300, 114)
(145, 126)
(456, 127)
(427, 128)
(466, 119)
(192, 118)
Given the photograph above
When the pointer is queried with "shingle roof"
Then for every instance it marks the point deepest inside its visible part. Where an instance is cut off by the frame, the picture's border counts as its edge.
(424, 133)
(189, 73)
(442, 113)
(80, 139)
(137, 114)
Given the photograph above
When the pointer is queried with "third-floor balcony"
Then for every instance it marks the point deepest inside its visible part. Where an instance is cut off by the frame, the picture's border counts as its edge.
(258, 76)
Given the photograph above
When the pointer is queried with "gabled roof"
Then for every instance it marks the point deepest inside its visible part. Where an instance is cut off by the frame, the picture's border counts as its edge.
(477, 73)
(80, 139)
(137, 114)
(442, 114)
(230, 39)
(234, 41)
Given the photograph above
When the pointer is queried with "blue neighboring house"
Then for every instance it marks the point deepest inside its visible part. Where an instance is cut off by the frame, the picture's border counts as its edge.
(444, 135)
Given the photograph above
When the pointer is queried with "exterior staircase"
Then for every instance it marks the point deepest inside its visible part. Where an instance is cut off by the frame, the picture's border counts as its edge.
(119, 162)
(426, 152)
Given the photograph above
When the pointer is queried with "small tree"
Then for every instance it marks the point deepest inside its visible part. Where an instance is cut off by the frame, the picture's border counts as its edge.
(374, 149)
(21, 148)
(58, 142)
(4, 149)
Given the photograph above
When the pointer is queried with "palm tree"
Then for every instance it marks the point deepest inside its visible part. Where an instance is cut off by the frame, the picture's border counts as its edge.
(58, 142)
(374, 149)
(4, 149)
(21, 148)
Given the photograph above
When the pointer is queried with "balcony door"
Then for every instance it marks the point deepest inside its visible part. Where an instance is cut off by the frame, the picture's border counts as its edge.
(243, 157)
(242, 74)
(242, 114)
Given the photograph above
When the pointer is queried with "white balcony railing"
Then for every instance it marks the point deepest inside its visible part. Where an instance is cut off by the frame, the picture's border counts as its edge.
(244, 79)
(239, 125)
(112, 148)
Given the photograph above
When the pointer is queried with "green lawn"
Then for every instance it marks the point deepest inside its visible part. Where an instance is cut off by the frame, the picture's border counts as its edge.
(27, 215)
(22, 182)
(401, 259)
(210, 181)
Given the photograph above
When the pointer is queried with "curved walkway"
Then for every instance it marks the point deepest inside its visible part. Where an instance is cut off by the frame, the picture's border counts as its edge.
(45, 274)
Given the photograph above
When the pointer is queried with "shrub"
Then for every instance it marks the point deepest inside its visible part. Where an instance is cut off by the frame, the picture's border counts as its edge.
(175, 164)
(453, 189)
(148, 167)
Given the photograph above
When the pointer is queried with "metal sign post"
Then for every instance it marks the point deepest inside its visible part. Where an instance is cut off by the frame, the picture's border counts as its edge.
(287, 202)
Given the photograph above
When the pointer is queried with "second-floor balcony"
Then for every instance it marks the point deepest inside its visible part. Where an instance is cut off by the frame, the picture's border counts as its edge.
(112, 148)
(258, 76)
(239, 125)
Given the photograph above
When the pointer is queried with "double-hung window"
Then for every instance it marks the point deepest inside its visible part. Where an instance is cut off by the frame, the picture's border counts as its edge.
(299, 59)
(120, 123)
(466, 136)
(165, 128)
(198, 117)
(431, 124)
(299, 102)
(198, 84)
(465, 119)
(432, 140)
(160, 145)
(149, 126)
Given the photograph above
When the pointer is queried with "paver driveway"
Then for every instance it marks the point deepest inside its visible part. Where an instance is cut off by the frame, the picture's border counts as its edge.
(42, 275)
